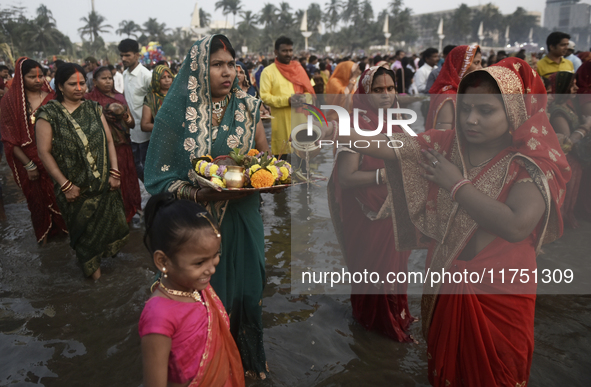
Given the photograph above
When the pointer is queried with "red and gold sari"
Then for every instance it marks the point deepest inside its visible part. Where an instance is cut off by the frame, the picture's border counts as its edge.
(446, 85)
(220, 365)
(583, 205)
(476, 335)
(18, 130)
(130, 189)
(364, 231)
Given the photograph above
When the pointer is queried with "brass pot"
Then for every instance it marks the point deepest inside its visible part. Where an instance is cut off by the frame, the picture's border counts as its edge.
(234, 176)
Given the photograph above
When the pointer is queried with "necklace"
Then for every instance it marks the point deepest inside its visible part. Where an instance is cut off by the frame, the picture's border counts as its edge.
(479, 165)
(30, 108)
(218, 108)
(194, 294)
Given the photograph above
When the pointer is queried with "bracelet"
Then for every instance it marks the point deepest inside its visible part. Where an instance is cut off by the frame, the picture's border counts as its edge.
(68, 185)
(583, 129)
(582, 133)
(114, 173)
(456, 188)
(30, 166)
(335, 131)
(377, 177)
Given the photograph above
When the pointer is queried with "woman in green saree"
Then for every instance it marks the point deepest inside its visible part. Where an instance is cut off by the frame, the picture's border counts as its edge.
(76, 148)
(206, 113)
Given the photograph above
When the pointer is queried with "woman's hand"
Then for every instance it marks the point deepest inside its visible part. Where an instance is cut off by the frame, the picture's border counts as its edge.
(114, 183)
(33, 174)
(109, 116)
(586, 122)
(73, 194)
(440, 171)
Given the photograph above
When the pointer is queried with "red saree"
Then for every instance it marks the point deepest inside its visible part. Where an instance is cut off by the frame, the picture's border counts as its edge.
(221, 365)
(366, 239)
(583, 205)
(18, 130)
(481, 334)
(446, 85)
(130, 189)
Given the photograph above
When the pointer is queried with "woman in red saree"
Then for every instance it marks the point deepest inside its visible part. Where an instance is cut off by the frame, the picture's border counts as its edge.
(28, 92)
(105, 95)
(461, 60)
(508, 175)
(572, 131)
(583, 205)
(358, 211)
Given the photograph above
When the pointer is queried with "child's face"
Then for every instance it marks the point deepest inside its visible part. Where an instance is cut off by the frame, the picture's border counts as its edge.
(195, 263)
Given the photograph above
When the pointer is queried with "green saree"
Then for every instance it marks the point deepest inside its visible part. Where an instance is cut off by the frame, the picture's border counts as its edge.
(96, 220)
(182, 132)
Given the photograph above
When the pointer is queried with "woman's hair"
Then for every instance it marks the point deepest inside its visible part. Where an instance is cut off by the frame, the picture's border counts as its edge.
(479, 78)
(98, 71)
(63, 73)
(220, 42)
(383, 70)
(170, 223)
(28, 65)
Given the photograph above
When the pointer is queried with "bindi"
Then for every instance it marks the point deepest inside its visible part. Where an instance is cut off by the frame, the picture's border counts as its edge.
(38, 74)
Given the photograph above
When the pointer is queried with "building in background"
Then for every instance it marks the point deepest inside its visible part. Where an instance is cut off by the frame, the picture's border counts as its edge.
(572, 17)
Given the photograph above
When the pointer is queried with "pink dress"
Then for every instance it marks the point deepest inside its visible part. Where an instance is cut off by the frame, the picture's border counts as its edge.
(186, 324)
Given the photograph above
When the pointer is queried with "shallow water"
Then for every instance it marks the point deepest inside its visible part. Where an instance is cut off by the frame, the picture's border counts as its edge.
(60, 329)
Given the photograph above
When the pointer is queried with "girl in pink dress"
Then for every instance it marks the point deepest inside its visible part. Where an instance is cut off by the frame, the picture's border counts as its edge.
(184, 328)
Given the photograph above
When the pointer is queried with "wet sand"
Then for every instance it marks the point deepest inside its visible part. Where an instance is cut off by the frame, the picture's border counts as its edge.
(60, 329)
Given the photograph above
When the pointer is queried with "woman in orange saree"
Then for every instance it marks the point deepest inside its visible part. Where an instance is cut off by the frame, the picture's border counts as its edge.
(28, 92)
(341, 87)
(357, 194)
(461, 61)
(507, 176)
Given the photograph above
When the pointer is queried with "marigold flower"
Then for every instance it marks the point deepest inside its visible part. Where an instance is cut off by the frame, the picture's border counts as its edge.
(213, 168)
(219, 182)
(284, 174)
(262, 178)
(273, 170)
(252, 152)
(254, 168)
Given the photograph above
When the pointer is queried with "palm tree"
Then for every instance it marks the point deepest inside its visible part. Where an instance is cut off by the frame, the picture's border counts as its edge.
(155, 30)
(314, 16)
(42, 31)
(234, 7)
(268, 15)
(93, 26)
(286, 19)
(247, 30)
(332, 13)
(224, 5)
(366, 12)
(204, 18)
(129, 28)
(43, 11)
(351, 12)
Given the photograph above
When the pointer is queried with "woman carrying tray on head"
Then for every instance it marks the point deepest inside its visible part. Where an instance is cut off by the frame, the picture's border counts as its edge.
(206, 113)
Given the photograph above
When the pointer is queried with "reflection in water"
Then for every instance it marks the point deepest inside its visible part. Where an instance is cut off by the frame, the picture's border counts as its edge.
(59, 329)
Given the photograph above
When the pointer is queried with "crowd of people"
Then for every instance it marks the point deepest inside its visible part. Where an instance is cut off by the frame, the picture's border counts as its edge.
(497, 172)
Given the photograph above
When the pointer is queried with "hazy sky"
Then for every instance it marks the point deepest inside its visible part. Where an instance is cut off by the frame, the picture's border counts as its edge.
(177, 13)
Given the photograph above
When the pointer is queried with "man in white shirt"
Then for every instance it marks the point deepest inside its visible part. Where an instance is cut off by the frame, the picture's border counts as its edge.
(118, 83)
(570, 55)
(431, 57)
(136, 81)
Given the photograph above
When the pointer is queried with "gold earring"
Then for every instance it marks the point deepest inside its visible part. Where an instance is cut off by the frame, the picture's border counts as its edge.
(164, 273)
